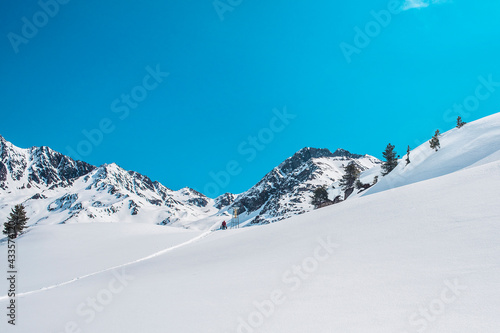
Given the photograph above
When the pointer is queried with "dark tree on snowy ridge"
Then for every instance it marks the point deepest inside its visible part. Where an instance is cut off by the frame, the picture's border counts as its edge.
(434, 142)
(390, 160)
(460, 123)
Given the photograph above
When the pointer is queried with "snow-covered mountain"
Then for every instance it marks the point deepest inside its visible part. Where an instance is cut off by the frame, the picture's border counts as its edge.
(57, 189)
(37, 168)
(287, 189)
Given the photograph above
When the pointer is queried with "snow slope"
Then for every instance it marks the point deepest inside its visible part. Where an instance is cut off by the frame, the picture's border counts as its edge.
(474, 144)
(58, 253)
(417, 258)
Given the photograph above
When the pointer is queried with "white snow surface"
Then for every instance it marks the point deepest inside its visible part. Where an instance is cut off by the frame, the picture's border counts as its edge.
(474, 144)
(419, 254)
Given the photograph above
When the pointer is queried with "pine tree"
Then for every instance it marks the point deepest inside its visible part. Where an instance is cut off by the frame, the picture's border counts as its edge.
(375, 180)
(460, 123)
(408, 156)
(434, 142)
(16, 222)
(390, 160)
(320, 196)
(351, 174)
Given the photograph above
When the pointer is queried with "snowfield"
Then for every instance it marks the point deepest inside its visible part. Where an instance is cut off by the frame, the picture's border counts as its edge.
(419, 252)
(58, 253)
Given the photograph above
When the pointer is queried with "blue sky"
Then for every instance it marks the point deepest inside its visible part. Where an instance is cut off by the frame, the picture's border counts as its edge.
(248, 83)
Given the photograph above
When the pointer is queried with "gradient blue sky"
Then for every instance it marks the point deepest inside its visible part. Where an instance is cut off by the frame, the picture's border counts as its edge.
(227, 76)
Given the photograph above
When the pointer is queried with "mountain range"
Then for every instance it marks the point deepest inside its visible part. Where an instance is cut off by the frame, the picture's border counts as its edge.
(55, 189)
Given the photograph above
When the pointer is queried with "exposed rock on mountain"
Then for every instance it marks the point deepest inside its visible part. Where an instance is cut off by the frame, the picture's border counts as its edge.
(58, 189)
(287, 189)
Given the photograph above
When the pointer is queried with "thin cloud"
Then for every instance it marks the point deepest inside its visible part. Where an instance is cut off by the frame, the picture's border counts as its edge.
(412, 4)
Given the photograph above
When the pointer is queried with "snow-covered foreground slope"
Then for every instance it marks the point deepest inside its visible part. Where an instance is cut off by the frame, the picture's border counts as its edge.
(423, 257)
(58, 253)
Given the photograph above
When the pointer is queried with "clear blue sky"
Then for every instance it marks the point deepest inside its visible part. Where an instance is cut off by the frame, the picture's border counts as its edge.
(226, 77)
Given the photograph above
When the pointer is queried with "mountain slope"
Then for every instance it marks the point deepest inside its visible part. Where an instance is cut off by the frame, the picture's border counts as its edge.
(474, 144)
(287, 189)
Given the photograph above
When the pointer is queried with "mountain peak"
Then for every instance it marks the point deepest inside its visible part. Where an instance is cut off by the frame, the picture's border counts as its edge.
(189, 190)
(303, 156)
(344, 153)
(309, 152)
(111, 167)
(4, 143)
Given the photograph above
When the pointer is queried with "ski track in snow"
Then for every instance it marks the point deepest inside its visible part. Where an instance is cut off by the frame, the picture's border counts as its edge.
(154, 255)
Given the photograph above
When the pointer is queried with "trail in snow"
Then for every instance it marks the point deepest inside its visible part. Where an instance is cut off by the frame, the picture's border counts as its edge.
(154, 255)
